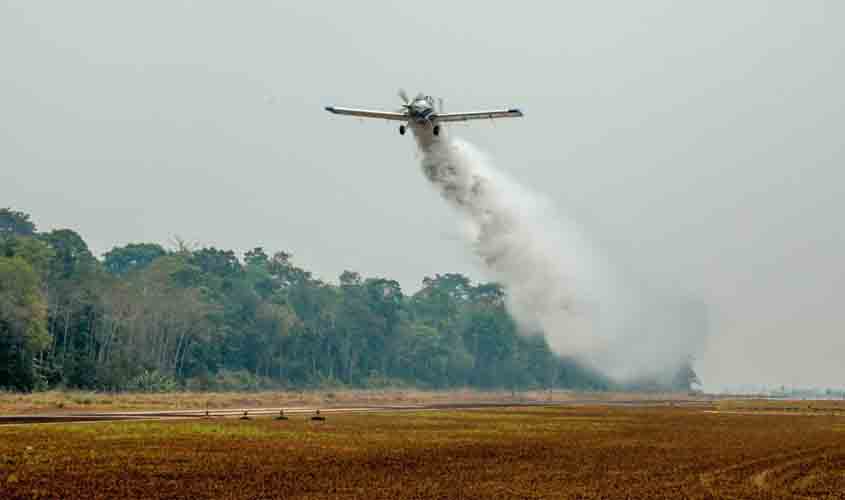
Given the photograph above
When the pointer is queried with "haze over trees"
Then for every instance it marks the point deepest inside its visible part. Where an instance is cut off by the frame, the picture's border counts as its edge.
(147, 318)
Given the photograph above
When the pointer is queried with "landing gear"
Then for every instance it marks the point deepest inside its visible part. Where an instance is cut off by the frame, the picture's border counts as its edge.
(401, 129)
(436, 130)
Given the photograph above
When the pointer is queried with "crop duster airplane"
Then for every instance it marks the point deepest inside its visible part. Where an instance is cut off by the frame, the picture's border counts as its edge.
(420, 113)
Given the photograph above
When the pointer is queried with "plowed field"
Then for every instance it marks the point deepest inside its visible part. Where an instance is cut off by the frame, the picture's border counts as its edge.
(587, 452)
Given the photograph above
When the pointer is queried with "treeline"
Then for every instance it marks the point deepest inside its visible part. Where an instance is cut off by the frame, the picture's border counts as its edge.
(147, 318)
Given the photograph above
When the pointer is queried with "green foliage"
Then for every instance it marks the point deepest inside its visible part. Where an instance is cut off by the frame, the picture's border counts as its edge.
(80, 372)
(37, 253)
(235, 380)
(14, 223)
(132, 257)
(152, 381)
(23, 323)
(72, 255)
(147, 319)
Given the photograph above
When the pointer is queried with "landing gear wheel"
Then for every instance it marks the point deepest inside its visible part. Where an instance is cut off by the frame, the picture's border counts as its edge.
(401, 129)
(436, 130)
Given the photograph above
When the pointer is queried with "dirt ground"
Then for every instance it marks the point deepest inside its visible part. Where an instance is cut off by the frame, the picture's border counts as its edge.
(557, 452)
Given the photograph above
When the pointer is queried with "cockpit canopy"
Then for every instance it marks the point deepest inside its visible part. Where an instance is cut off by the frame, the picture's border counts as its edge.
(423, 103)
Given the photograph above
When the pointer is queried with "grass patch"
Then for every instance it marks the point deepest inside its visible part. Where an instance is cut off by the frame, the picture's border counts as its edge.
(52, 401)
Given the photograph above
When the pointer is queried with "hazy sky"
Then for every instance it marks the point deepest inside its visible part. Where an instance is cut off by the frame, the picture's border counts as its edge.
(698, 143)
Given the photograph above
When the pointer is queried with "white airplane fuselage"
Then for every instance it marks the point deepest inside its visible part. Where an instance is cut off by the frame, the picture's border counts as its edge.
(420, 110)
(420, 115)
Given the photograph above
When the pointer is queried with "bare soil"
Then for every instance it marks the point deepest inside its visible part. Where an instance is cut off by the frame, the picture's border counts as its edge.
(587, 452)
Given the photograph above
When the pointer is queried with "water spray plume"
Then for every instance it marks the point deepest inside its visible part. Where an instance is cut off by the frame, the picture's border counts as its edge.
(558, 284)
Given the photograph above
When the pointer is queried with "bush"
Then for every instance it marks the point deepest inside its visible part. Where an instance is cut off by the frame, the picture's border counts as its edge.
(379, 381)
(240, 380)
(152, 381)
(80, 372)
(226, 381)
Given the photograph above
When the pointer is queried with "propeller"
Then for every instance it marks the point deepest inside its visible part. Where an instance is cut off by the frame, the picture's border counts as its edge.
(404, 96)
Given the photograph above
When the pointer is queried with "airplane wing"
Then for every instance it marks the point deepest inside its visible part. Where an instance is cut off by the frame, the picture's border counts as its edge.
(477, 115)
(367, 113)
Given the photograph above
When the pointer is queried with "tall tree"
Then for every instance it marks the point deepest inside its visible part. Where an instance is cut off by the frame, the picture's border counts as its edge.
(132, 257)
(23, 323)
(72, 255)
(14, 223)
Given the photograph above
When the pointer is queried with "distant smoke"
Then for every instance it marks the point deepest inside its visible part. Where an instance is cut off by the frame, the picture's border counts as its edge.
(557, 283)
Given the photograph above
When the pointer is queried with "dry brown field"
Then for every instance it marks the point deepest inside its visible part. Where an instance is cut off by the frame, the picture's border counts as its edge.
(80, 401)
(563, 452)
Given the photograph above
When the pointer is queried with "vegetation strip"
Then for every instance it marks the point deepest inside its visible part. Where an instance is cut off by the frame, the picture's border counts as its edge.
(232, 412)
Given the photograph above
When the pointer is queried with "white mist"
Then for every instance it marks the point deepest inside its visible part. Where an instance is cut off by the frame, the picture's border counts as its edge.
(557, 283)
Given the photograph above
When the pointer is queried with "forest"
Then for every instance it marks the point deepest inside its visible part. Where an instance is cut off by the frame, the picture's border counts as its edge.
(148, 318)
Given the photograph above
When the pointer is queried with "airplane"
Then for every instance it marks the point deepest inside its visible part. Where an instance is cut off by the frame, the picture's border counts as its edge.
(420, 113)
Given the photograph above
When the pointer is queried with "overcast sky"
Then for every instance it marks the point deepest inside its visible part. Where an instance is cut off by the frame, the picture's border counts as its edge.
(698, 143)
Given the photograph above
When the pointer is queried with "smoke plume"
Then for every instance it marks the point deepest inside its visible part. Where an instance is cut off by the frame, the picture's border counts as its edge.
(557, 283)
